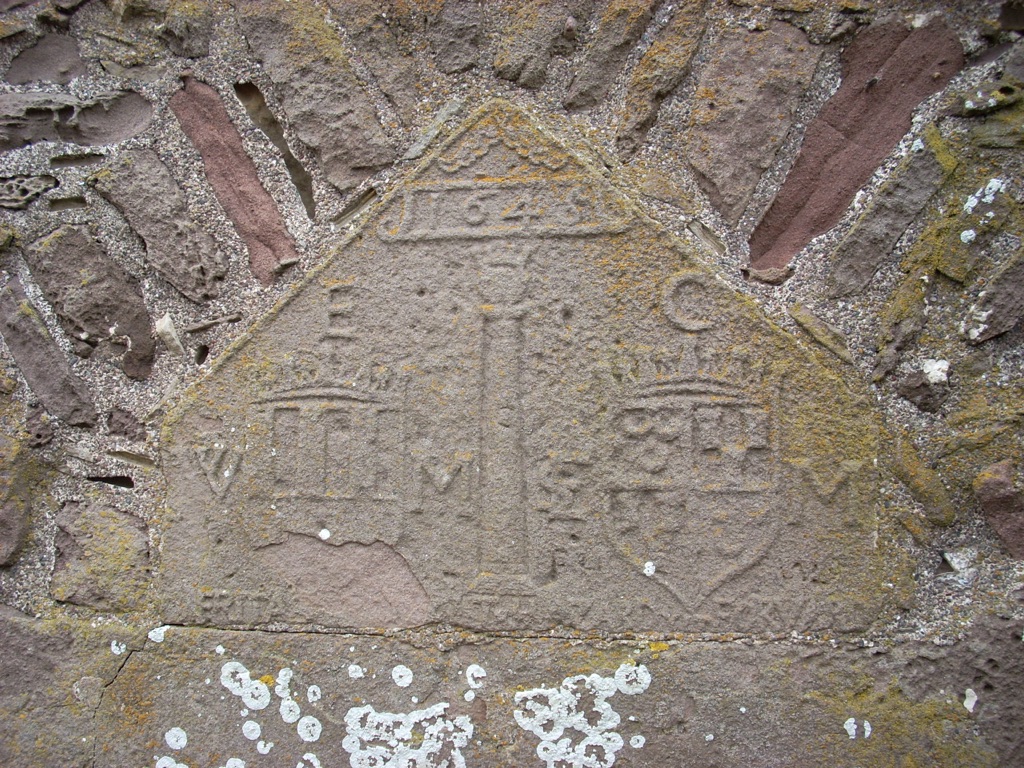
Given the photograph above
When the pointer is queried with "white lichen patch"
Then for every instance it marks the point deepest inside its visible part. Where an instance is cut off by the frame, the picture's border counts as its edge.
(936, 371)
(475, 675)
(402, 676)
(254, 693)
(970, 700)
(289, 709)
(850, 726)
(650, 568)
(355, 671)
(251, 730)
(986, 194)
(573, 735)
(419, 738)
(309, 728)
(157, 634)
(117, 647)
(176, 738)
(168, 762)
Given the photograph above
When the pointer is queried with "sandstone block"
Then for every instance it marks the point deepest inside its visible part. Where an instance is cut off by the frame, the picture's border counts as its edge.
(619, 28)
(324, 103)
(745, 105)
(41, 361)
(27, 118)
(145, 192)
(887, 70)
(98, 303)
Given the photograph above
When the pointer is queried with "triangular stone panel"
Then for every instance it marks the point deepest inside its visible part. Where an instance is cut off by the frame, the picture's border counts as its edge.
(511, 402)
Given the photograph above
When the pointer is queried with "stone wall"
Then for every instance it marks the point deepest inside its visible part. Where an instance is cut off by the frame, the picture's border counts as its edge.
(557, 383)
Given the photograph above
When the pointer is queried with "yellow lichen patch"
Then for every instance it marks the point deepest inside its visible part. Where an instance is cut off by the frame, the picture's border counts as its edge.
(923, 483)
(903, 733)
(311, 40)
(665, 63)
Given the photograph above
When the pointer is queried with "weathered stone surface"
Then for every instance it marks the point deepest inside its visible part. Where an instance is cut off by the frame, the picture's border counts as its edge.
(187, 28)
(989, 97)
(538, 31)
(16, 492)
(528, 408)
(619, 28)
(18, 191)
(256, 106)
(379, 47)
(881, 226)
(55, 675)
(1002, 306)
(41, 361)
(1003, 505)
(989, 664)
(902, 323)
(14, 524)
(325, 105)
(142, 188)
(744, 107)
(38, 426)
(1011, 15)
(921, 480)
(53, 58)
(455, 35)
(887, 70)
(928, 395)
(27, 118)
(202, 697)
(826, 335)
(662, 68)
(102, 558)
(124, 424)
(100, 305)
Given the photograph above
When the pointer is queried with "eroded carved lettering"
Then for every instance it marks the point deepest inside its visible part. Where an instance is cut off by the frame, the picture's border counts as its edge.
(503, 209)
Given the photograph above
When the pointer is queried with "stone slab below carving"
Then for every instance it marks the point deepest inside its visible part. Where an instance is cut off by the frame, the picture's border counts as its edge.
(206, 697)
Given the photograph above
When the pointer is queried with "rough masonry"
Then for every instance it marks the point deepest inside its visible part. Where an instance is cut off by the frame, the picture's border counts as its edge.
(572, 384)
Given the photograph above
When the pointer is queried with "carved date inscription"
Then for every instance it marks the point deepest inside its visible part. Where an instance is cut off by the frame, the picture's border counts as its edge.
(485, 209)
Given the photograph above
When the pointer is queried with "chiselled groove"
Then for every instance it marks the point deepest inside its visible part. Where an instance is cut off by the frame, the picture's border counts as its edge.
(68, 203)
(254, 103)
